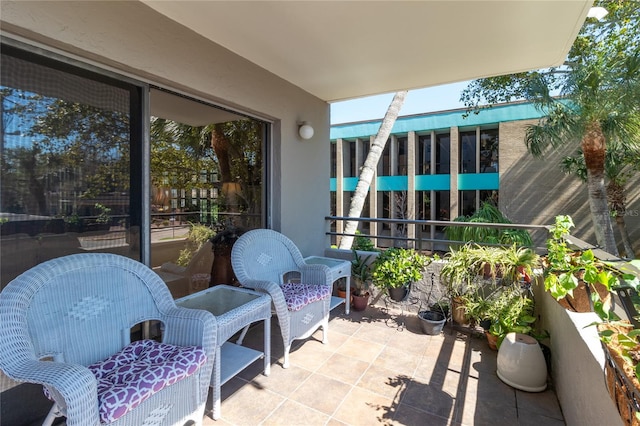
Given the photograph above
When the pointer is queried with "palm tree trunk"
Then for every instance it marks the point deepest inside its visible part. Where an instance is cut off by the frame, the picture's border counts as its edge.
(600, 212)
(617, 204)
(369, 167)
(624, 236)
(593, 146)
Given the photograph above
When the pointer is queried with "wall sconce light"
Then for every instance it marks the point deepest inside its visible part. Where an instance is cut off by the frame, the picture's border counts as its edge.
(305, 130)
(597, 12)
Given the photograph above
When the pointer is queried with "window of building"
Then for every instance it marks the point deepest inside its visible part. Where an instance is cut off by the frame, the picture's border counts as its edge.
(443, 154)
(352, 170)
(423, 162)
(385, 164)
(364, 150)
(489, 151)
(470, 201)
(332, 212)
(401, 151)
(333, 155)
(423, 207)
(443, 205)
(384, 208)
(468, 152)
(467, 202)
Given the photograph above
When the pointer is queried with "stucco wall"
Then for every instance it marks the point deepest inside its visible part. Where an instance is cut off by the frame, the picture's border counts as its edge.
(577, 361)
(131, 38)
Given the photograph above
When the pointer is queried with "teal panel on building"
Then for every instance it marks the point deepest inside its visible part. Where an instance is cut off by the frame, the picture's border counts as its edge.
(392, 183)
(433, 182)
(350, 183)
(473, 181)
(438, 120)
(332, 184)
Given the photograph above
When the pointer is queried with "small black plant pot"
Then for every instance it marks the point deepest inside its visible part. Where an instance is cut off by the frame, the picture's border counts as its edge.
(432, 322)
(398, 294)
(485, 324)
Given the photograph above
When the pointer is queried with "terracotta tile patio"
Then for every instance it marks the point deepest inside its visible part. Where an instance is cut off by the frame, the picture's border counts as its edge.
(371, 372)
(374, 372)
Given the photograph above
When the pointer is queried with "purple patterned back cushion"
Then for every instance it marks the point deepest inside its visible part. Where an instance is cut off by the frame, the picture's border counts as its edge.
(299, 295)
(139, 370)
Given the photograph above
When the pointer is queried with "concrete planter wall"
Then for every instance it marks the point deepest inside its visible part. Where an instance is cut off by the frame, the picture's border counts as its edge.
(577, 363)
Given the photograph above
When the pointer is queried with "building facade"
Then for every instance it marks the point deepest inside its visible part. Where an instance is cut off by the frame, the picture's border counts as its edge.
(441, 165)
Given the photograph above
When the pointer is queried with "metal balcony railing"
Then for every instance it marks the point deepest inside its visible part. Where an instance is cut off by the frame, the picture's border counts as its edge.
(425, 234)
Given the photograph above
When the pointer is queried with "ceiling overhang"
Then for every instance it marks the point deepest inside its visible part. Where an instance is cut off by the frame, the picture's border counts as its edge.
(340, 50)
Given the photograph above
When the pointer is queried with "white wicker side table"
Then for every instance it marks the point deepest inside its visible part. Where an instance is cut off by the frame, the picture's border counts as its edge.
(339, 269)
(235, 309)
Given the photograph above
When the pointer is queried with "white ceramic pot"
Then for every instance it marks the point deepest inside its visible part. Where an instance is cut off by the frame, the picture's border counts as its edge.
(521, 363)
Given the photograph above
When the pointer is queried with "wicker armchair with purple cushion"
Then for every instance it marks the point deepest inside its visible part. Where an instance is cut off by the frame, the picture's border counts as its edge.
(66, 324)
(261, 258)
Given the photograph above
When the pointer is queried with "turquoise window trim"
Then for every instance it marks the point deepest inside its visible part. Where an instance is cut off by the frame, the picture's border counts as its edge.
(473, 181)
(392, 183)
(438, 120)
(349, 184)
(433, 182)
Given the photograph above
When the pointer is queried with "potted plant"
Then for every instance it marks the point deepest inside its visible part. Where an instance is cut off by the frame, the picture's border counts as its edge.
(460, 274)
(510, 310)
(361, 280)
(576, 278)
(222, 243)
(395, 269)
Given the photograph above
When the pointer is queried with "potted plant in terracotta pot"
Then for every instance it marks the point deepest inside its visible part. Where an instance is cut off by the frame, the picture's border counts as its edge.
(361, 280)
(222, 243)
(578, 280)
(395, 269)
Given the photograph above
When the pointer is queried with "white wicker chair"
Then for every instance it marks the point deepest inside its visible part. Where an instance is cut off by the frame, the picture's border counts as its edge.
(79, 309)
(261, 258)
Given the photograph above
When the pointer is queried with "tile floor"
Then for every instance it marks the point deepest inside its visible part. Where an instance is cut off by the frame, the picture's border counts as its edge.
(373, 372)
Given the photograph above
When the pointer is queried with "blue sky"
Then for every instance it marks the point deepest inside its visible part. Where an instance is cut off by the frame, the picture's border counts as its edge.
(432, 99)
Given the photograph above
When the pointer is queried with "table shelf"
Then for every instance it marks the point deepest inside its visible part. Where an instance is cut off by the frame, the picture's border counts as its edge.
(234, 359)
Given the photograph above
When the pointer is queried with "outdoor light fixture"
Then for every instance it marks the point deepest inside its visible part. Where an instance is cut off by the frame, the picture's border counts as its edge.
(597, 12)
(305, 130)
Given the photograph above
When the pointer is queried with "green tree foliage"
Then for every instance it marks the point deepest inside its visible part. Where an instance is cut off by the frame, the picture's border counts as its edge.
(599, 88)
(60, 143)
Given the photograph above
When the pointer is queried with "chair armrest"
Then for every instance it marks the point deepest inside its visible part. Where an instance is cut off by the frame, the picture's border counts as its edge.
(277, 298)
(190, 327)
(73, 382)
(315, 274)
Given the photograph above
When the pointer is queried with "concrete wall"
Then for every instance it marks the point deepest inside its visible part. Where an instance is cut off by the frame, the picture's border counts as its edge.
(131, 38)
(577, 363)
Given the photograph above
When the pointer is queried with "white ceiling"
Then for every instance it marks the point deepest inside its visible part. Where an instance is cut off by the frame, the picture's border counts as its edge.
(339, 50)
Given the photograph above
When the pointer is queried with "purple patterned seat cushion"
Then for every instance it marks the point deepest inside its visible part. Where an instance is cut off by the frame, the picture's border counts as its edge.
(139, 370)
(299, 295)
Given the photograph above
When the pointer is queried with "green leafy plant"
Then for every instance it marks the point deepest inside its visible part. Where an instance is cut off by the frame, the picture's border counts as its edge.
(198, 235)
(103, 213)
(565, 268)
(397, 267)
(361, 273)
(487, 213)
(362, 243)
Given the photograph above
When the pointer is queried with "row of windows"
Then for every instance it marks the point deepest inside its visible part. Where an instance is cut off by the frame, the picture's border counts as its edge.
(478, 154)
(429, 205)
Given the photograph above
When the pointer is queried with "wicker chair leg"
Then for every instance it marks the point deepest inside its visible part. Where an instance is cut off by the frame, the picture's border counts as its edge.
(287, 348)
(325, 331)
(53, 414)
